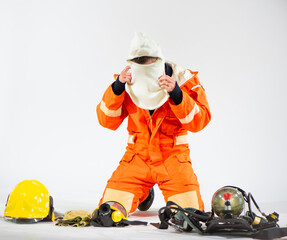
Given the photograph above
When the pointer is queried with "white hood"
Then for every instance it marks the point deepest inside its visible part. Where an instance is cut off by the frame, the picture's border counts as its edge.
(144, 89)
(143, 45)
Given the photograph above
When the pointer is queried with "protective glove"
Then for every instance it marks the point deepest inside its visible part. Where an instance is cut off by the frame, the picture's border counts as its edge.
(75, 218)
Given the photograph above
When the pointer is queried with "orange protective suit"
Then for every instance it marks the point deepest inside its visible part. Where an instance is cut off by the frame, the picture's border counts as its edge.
(157, 150)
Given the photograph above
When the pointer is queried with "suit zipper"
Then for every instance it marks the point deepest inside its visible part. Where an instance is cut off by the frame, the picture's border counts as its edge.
(151, 127)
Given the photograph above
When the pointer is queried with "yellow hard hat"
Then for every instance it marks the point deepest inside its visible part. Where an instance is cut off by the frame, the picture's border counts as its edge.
(29, 202)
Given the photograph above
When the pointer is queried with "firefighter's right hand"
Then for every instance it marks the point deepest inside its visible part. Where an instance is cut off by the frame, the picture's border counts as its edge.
(126, 76)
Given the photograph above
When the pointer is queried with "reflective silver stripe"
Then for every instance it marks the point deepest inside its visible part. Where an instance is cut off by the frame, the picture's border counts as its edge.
(182, 139)
(110, 113)
(131, 139)
(190, 116)
(197, 86)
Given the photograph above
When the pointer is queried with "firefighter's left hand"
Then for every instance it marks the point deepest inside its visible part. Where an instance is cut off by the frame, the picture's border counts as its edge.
(166, 82)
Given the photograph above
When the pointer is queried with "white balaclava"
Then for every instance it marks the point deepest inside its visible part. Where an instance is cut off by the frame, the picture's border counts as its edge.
(144, 89)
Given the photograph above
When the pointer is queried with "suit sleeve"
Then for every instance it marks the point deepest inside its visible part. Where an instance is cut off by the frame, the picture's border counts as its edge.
(193, 112)
(111, 111)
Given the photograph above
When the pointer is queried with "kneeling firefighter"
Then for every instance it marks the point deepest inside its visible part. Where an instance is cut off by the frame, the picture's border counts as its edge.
(29, 202)
(163, 102)
(226, 217)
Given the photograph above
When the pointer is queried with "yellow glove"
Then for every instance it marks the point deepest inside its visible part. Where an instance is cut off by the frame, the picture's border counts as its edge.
(75, 218)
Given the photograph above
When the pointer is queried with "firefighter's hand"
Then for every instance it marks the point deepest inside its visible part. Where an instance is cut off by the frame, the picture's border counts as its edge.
(166, 82)
(125, 76)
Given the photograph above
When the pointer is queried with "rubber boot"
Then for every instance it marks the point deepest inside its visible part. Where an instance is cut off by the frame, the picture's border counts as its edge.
(146, 204)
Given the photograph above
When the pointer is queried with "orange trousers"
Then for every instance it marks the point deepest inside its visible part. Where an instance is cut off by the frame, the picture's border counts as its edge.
(131, 181)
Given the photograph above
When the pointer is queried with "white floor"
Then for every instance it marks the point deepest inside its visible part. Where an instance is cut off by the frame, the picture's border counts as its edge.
(44, 231)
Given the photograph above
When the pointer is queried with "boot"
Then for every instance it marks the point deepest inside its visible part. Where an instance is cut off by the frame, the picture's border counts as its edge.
(146, 204)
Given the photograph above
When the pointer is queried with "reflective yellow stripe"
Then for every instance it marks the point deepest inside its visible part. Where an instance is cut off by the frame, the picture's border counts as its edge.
(110, 113)
(183, 139)
(187, 199)
(123, 197)
(190, 116)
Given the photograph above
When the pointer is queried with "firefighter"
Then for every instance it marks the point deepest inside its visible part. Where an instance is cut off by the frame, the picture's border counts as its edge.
(162, 102)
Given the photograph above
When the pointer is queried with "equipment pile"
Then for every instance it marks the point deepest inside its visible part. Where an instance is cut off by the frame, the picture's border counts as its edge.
(30, 202)
(225, 217)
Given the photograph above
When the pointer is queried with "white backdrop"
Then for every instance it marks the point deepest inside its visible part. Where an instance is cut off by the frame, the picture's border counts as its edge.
(58, 57)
